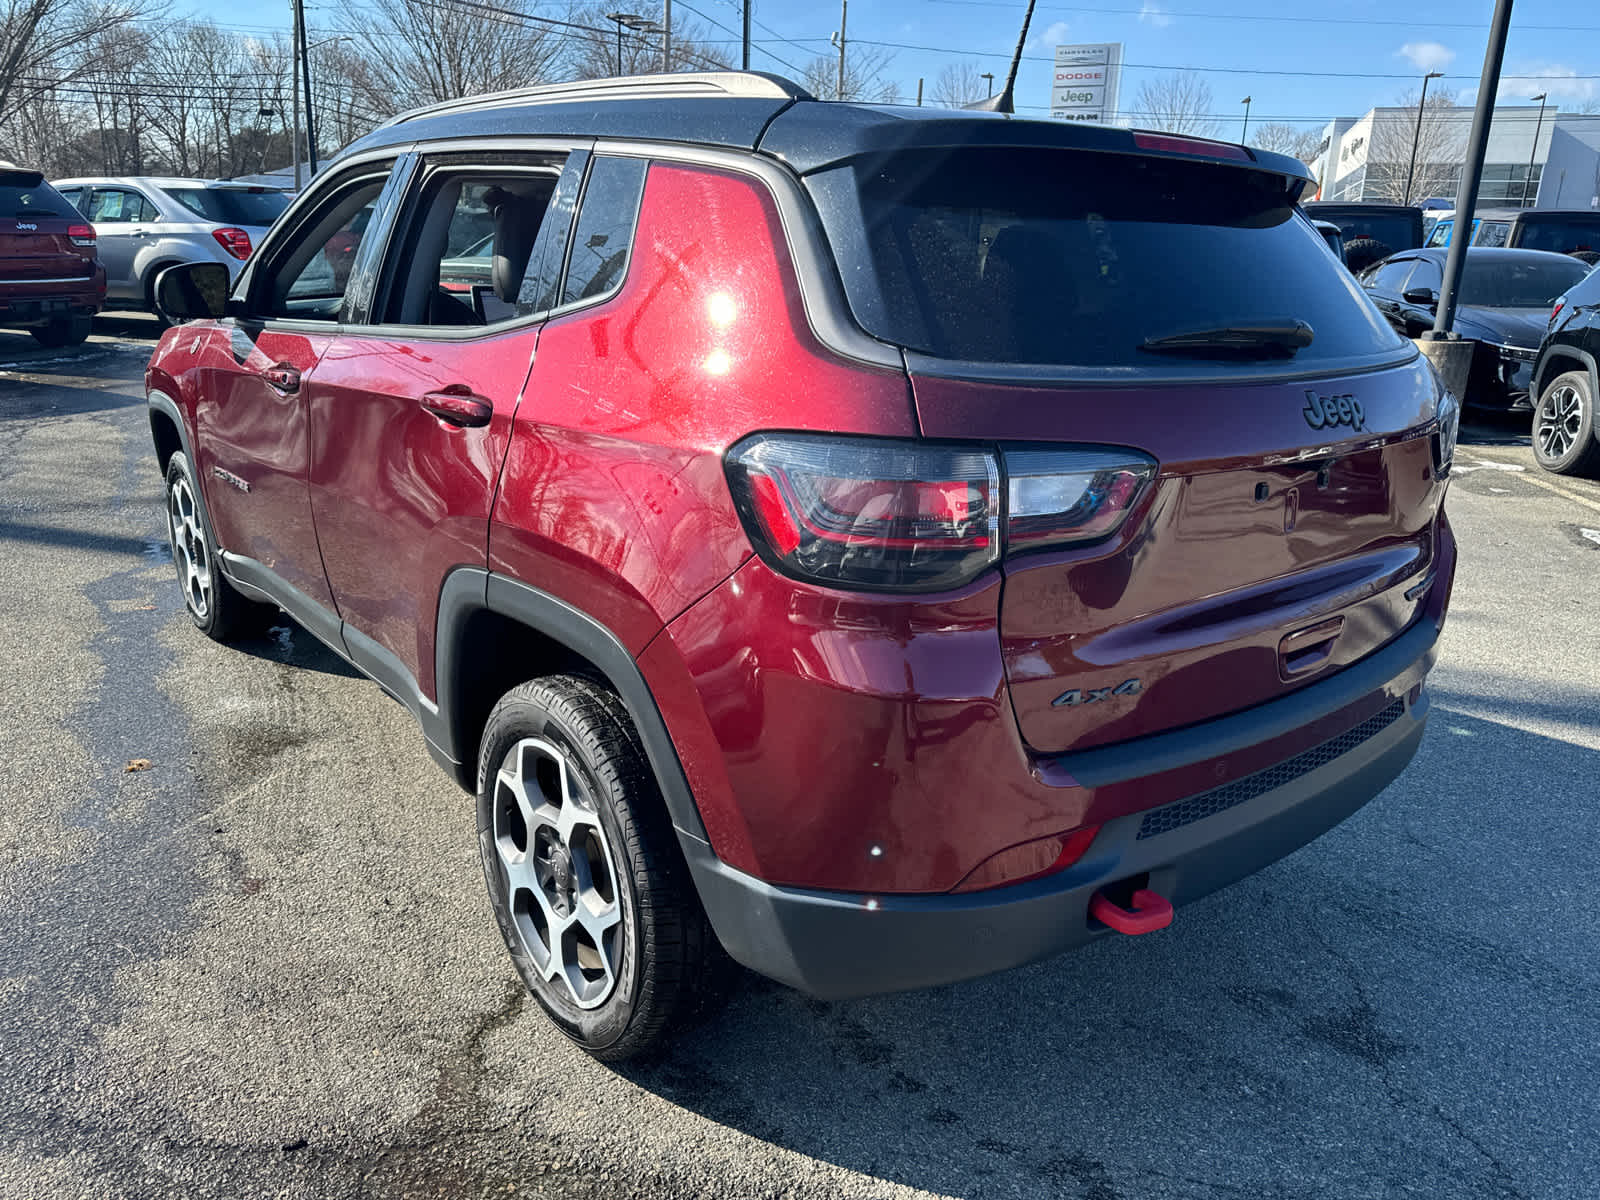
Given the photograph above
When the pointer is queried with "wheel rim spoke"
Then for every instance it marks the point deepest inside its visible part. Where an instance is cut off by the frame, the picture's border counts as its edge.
(561, 882)
(1560, 422)
(189, 548)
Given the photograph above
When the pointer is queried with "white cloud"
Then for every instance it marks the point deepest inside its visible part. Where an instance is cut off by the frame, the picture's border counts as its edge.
(1427, 56)
(1054, 35)
(1154, 14)
(1556, 80)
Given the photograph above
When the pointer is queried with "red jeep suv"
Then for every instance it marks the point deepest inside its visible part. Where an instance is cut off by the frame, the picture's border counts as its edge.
(889, 544)
(51, 283)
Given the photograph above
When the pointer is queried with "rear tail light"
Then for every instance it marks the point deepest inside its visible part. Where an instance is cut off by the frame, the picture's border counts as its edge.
(912, 517)
(81, 235)
(1556, 311)
(1448, 416)
(235, 241)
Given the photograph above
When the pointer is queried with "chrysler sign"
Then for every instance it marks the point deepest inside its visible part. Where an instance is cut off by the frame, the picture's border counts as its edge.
(1084, 83)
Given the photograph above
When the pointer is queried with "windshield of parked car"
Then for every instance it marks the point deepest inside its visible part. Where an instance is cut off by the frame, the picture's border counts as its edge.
(1004, 255)
(1518, 283)
(232, 206)
(24, 195)
(1563, 235)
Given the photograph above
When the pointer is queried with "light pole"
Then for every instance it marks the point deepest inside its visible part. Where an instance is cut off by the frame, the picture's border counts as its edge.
(1537, 129)
(1417, 136)
(632, 21)
(1245, 130)
(989, 76)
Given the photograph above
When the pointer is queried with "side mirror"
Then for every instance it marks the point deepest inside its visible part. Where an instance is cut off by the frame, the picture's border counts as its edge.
(192, 290)
(1422, 296)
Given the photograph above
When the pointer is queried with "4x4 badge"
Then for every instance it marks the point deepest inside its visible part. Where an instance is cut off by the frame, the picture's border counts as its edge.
(1128, 687)
(1324, 412)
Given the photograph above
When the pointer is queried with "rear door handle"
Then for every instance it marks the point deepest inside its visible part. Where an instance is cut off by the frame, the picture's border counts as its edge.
(457, 405)
(283, 377)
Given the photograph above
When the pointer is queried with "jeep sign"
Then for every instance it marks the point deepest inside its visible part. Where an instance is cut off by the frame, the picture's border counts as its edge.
(1084, 84)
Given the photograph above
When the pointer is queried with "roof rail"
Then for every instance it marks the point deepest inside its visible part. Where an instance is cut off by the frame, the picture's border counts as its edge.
(687, 85)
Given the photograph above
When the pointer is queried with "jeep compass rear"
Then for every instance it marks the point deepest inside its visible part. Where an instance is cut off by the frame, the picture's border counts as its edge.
(922, 543)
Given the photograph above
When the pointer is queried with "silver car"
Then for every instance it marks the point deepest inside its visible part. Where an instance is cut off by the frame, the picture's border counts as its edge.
(144, 224)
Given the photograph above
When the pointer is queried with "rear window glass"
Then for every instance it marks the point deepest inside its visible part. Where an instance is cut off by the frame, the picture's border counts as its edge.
(1398, 232)
(232, 206)
(1517, 282)
(1076, 258)
(1562, 236)
(20, 199)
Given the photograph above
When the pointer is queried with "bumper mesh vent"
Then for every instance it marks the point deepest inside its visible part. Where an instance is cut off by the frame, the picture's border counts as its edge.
(1208, 804)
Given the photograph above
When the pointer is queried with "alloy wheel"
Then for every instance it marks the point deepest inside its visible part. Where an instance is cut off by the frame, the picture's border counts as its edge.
(189, 548)
(560, 874)
(1560, 421)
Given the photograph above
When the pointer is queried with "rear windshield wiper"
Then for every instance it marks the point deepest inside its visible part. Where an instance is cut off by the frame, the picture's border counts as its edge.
(1253, 341)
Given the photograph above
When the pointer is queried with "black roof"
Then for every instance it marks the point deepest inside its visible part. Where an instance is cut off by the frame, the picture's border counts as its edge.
(752, 111)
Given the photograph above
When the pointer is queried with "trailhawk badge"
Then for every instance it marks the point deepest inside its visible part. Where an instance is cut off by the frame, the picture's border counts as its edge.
(1325, 412)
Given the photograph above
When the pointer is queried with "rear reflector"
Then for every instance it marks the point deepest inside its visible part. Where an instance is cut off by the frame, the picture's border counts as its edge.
(235, 241)
(1169, 143)
(81, 235)
(1031, 860)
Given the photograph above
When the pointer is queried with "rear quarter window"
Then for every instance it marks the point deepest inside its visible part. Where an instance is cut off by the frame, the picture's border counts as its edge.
(1075, 258)
(24, 195)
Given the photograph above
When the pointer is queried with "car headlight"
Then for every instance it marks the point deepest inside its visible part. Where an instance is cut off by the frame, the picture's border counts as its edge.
(1448, 418)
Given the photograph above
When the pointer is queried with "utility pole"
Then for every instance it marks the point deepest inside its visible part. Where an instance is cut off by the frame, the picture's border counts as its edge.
(305, 70)
(666, 41)
(1472, 170)
(1245, 131)
(1416, 137)
(746, 35)
(294, 71)
(1537, 130)
(844, 11)
(919, 91)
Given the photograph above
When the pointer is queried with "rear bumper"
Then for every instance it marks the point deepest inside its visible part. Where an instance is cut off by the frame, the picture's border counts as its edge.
(37, 303)
(841, 944)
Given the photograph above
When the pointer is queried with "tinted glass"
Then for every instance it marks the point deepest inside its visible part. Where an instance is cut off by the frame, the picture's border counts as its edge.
(605, 228)
(1563, 236)
(1388, 276)
(1076, 258)
(307, 278)
(38, 200)
(1398, 231)
(232, 206)
(1518, 283)
(1428, 274)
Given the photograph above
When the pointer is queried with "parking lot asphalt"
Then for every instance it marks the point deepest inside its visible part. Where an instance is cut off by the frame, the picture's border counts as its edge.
(263, 964)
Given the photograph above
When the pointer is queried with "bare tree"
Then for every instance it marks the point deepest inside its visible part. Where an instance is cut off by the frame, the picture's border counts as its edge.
(1283, 138)
(592, 54)
(865, 77)
(958, 84)
(41, 41)
(1438, 143)
(1176, 103)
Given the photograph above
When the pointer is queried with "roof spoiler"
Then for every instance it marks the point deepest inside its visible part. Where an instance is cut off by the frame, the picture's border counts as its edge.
(17, 177)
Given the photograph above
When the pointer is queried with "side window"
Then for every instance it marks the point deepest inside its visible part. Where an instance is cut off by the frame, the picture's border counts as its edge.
(1440, 235)
(73, 196)
(113, 206)
(1427, 275)
(307, 277)
(1493, 233)
(1388, 276)
(469, 242)
(604, 235)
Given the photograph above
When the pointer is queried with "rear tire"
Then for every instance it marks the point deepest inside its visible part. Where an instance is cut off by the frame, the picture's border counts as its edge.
(63, 331)
(586, 879)
(1563, 426)
(217, 608)
(1363, 252)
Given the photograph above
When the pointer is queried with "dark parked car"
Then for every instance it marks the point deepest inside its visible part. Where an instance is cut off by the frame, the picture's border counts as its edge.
(1567, 382)
(901, 560)
(1371, 231)
(1505, 302)
(1563, 231)
(51, 283)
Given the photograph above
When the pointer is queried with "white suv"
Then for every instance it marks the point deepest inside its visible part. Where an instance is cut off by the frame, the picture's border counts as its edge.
(146, 224)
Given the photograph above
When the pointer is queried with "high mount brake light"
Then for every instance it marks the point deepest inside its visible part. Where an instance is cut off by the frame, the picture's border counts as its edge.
(235, 241)
(883, 515)
(81, 235)
(1173, 144)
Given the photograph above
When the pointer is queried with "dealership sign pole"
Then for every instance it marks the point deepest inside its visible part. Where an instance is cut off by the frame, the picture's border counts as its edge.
(1086, 82)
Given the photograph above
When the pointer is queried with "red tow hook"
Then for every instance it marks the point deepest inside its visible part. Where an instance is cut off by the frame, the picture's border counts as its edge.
(1149, 913)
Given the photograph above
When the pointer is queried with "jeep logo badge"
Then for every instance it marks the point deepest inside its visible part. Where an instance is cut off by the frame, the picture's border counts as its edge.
(1325, 412)
(29, 226)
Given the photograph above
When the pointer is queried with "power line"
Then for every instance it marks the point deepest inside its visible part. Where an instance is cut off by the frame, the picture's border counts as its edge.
(755, 45)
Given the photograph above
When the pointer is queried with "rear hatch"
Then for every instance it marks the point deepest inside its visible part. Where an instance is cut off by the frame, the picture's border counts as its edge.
(43, 239)
(1175, 304)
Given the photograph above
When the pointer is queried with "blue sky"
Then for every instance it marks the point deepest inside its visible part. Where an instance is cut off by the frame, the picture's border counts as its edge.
(1340, 59)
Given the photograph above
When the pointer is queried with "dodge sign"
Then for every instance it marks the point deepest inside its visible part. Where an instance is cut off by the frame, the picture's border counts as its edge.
(1085, 83)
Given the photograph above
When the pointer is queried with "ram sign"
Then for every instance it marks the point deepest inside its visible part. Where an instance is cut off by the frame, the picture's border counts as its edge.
(1085, 84)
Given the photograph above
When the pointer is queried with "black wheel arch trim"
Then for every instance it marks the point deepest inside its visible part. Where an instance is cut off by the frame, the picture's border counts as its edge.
(1542, 374)
(164, 404)
(468, 590)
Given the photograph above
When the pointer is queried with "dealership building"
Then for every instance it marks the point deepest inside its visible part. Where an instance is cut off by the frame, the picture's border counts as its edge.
(1535, 159)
